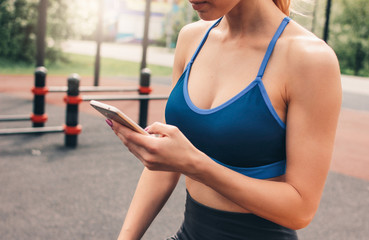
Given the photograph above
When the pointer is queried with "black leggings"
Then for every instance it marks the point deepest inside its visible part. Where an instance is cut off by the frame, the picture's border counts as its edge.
(205, 223)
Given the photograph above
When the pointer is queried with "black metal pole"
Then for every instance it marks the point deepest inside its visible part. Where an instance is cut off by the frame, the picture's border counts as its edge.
(145, 39)
(313, 20)
(99, 33)
(41, 33)
(72, 129)
(144, 90)
(38, 116)
(327, 16)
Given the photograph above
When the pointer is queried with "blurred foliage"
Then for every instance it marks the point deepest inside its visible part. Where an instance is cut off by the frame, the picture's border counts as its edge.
(18, 27)
(350, 36)
(181, 14)
(17, 30)
(349, 30)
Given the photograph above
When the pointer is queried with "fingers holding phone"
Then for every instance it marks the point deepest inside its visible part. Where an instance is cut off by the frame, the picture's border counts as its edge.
(159, 147)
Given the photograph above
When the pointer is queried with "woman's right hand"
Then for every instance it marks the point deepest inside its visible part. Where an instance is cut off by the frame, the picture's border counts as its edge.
(171, 151)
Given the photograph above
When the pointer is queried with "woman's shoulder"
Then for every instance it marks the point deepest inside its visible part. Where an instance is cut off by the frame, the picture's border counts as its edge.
(197, 27)
(191, 35)
(188, 40)
(310, 61)
(306, 52)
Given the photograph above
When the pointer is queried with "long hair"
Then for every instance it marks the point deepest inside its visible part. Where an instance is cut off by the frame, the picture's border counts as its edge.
(283, 5)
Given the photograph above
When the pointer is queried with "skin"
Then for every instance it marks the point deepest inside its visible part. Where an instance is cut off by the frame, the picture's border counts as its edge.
(302, 80)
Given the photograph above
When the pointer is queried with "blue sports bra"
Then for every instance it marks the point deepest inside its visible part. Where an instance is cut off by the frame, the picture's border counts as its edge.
(244, 134)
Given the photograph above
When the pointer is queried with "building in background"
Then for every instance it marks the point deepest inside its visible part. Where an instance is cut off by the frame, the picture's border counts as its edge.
(129, 18)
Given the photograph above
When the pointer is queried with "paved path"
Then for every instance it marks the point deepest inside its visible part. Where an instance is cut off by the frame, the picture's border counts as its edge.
(123, 51)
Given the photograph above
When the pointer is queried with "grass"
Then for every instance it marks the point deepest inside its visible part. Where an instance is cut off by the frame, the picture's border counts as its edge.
(84, 66)
(362, 73)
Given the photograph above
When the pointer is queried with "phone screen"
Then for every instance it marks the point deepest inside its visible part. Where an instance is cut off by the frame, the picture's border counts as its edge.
(116, 115)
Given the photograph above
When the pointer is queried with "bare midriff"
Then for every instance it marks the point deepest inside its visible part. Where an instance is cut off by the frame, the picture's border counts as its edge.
(210, 198)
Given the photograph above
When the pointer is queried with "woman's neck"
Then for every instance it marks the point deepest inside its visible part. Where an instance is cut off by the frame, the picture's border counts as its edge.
(251, 17)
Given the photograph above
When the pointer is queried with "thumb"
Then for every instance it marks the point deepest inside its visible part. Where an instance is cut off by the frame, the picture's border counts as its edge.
(160, 129)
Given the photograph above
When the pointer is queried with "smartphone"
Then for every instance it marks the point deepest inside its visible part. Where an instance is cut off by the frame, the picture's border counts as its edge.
(116, 115)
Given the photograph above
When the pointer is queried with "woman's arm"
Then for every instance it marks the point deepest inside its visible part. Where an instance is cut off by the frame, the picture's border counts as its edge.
(153, 190)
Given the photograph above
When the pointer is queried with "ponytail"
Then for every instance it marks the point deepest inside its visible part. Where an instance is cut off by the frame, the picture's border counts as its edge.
(283, 5)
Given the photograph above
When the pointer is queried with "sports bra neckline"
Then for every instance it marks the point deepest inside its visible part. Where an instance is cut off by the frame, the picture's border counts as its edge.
(255, 82)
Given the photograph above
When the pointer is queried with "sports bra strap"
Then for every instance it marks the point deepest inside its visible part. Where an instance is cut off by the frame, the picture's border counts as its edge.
(272, 43)
(267, 55)
(203, 41)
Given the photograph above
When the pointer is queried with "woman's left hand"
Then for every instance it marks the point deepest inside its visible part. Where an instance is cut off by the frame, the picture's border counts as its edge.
(170, 150)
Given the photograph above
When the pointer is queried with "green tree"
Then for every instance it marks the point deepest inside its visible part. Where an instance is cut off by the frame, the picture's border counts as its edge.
(18, 23)
(351, 36)
(180, 15)
(5, 19)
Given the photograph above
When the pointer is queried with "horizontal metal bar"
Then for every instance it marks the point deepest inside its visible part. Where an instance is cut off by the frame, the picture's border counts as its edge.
(58, 89)
(8, 118)
(120, 97)
(95, 89)
(11, 131)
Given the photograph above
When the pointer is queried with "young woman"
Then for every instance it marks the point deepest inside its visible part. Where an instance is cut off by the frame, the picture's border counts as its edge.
(251, 123)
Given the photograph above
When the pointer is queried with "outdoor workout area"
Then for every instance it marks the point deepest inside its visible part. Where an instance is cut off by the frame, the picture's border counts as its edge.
(72, 128)
(65, 175)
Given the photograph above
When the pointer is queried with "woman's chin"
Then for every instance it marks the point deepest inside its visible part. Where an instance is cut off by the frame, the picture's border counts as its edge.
(208, 17)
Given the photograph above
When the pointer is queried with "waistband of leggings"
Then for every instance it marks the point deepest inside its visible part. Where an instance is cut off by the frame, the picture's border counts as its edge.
(201, 210)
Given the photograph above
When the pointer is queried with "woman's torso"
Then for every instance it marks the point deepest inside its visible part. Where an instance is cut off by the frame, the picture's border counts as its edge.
(224, 67)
